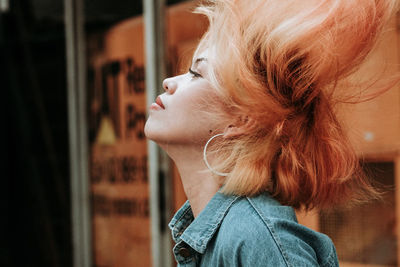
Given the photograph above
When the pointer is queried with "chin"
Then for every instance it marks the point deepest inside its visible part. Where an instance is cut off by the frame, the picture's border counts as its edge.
(155, 132)
(164, 133)
(148, 131)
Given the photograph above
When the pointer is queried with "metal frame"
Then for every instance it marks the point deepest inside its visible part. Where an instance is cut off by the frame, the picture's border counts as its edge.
(76, 84)
(154, 22)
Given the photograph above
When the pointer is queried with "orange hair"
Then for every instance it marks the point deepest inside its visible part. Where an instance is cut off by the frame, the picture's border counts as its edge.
(278, 63)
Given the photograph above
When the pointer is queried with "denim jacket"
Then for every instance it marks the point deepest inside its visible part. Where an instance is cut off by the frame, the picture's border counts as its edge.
(247, 231)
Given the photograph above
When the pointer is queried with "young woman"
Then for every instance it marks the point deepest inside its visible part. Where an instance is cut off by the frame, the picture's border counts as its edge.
(252, 129)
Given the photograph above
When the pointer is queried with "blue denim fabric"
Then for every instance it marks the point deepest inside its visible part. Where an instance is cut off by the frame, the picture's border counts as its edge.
(241, 231)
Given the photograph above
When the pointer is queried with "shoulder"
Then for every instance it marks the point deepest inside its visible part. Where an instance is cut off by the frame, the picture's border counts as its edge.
(260, 232)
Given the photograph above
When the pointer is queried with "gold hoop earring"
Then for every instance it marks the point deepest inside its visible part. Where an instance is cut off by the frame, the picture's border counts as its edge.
(205, 157)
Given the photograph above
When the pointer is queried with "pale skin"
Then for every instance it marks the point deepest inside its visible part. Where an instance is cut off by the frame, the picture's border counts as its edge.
(199, 184)
(177, 125)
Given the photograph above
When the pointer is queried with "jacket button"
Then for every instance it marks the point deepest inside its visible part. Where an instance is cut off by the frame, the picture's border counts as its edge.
(184, 252)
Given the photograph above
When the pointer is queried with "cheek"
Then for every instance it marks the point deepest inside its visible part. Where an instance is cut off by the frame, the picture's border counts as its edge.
(180, 122)
(187, 119)
(194, 110)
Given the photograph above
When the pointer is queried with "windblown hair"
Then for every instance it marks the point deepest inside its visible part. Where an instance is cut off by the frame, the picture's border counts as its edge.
(278, 62)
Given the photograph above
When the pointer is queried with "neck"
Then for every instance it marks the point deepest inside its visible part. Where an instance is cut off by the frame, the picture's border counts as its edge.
(198, 182)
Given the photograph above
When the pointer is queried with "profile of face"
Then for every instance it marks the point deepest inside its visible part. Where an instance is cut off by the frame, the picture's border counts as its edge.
(180, 116)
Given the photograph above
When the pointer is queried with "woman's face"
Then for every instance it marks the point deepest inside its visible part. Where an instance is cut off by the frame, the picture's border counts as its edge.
(179, 116)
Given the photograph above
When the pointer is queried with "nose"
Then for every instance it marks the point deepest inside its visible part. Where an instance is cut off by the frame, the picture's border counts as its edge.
(169, 85)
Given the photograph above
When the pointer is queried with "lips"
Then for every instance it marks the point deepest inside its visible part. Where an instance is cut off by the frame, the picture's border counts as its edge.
(159, 102)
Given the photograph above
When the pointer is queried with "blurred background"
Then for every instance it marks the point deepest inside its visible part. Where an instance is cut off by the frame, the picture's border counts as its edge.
(83, 187)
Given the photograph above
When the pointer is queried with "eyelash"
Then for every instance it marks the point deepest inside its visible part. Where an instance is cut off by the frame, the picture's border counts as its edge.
(195, 74)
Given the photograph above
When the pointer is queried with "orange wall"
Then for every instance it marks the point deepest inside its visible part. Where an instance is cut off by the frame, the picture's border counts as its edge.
(374, 126)
(119, 186)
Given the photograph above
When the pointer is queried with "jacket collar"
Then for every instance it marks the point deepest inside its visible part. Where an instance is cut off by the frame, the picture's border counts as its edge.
(198, 232)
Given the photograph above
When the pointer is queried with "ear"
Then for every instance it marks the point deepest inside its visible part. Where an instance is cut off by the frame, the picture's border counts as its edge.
(239, 127)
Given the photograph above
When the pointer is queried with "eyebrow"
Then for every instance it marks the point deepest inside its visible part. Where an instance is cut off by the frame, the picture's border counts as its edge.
(199, 60)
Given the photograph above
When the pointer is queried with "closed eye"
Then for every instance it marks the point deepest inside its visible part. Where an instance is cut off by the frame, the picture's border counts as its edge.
(195, 74)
